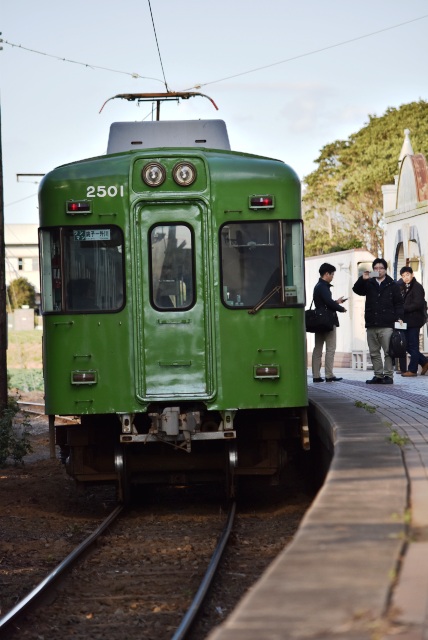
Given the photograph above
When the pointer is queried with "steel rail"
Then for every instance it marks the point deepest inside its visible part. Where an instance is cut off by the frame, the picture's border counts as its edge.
(22, 407)
(22, 403)
(55, 574)
(196, 604)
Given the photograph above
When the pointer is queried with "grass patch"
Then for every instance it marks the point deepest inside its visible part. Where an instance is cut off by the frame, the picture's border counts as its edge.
(24, 360)
(363, 405)
(24, 349)
(25, 373)
(396, 438)
(26, 379)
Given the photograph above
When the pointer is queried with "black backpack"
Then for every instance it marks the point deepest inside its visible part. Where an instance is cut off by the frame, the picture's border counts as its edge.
(398, 344)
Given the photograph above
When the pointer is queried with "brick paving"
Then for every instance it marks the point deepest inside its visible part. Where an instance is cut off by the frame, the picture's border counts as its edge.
(405, 406)
(358, 566)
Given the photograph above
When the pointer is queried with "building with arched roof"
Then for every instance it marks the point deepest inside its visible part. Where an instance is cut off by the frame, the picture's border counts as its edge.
(405, 206)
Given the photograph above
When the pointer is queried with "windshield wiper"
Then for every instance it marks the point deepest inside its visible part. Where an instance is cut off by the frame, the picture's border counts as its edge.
(263, 301)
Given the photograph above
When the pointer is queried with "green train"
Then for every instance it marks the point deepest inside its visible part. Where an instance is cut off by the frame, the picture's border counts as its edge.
(172, 287)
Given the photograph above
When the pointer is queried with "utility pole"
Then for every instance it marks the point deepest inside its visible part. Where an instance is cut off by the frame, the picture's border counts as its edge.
(3, 315)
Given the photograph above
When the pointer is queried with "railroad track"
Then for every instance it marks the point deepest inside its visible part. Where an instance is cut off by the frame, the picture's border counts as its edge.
(38, 409)
(17, 612)
(32, 407)
(16, 615)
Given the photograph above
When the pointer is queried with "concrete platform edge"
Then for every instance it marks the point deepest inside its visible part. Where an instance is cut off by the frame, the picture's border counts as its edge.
(335, 578)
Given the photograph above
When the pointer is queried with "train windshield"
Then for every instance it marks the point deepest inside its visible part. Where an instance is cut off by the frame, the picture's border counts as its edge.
(172, 274)
(82, 269)
(262, 258)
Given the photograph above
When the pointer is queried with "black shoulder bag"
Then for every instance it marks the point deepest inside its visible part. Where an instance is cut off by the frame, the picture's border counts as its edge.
(319, 320)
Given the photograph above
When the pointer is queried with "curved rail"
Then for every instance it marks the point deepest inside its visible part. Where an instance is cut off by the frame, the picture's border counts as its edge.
(55, 574)
(189, 618)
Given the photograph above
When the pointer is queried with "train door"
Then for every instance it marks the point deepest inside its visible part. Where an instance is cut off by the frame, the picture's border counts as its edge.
(174, 354)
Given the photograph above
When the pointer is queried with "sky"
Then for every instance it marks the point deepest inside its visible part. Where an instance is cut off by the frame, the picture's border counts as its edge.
(288, 77)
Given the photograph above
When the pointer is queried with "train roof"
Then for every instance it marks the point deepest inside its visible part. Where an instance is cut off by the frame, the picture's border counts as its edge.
(133, 136)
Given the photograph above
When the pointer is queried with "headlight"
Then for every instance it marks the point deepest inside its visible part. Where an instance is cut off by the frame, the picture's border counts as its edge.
(184, 174)
(153, 174)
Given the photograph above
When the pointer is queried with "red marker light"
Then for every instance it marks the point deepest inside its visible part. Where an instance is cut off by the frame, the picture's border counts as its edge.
(74, 207)
(262, 202)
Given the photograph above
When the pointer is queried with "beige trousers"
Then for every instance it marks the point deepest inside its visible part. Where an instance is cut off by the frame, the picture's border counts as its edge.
(379, 338)
(329, 338)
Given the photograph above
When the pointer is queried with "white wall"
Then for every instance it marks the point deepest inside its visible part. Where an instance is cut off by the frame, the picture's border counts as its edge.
(351, 335)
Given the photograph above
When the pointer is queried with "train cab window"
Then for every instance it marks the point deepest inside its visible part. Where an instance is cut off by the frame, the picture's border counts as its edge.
(262, 259)
(82, 269)
(171, 265)
(50, 270)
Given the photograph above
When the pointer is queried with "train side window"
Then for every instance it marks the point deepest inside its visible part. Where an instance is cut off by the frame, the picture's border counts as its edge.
(256, 257)
(294, 262)
(171, 267)
(250, 262)
(82, 269)
(50, 270)
(93, 268)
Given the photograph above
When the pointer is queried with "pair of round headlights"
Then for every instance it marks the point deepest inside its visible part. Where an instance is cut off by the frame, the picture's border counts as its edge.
(183, 173)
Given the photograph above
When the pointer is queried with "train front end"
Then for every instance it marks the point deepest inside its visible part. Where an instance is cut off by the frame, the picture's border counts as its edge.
(173, 303)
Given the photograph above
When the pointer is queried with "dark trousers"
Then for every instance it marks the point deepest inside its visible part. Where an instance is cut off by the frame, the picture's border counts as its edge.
(416, 357)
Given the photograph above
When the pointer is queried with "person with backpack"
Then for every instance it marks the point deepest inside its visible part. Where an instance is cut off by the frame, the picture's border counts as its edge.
(415, 317)
(384, 307)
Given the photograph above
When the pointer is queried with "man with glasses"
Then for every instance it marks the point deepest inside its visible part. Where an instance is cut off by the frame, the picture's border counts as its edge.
(384, 307)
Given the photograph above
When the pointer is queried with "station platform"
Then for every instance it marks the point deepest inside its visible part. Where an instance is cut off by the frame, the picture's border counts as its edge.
(358, 565)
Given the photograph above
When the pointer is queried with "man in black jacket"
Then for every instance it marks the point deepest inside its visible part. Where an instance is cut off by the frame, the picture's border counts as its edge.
(323, 298)
(384, 307)
(414, 316)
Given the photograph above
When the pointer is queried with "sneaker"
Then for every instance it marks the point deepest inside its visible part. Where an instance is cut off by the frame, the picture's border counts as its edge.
(318, 380)
(333, 379)
(375, 380)
(409, 374)
(424, 368)
(388, 380)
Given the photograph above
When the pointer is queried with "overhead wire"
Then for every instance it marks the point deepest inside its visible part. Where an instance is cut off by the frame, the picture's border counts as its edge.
(9, 204)
(236, 75)
(83, 64)
(308, 53)
(157, 44)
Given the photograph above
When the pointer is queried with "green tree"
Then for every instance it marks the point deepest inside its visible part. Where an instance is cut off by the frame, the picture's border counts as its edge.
(20, 292)
(342, 203)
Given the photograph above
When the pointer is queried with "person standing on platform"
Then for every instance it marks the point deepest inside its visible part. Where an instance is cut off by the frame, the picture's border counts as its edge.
(383, 308)
(323, 298)
(414, 316)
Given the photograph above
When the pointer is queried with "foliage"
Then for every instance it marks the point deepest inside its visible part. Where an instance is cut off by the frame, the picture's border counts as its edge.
(363, 405)
(21, 292)
(14, 442)
(396, 438)
(342, 204)
(26, 379)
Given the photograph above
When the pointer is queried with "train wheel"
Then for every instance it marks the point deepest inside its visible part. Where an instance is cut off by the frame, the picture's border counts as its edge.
(231, 464)
(123, 482)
